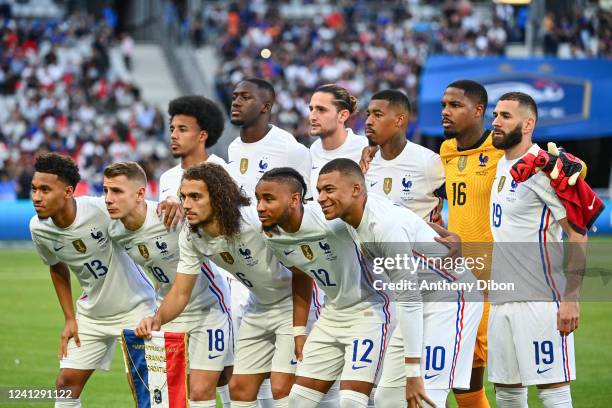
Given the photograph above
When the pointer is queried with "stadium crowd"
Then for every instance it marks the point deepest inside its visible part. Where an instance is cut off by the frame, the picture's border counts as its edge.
(61, 90)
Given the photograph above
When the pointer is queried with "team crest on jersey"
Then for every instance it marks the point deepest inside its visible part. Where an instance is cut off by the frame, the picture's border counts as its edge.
(407, 184)
(161, 245)
(483, 160)
(142, 248)
(227, 257)
(387, 185)
(247, 255)
(244, 165)
(263, 165)
(307, 252)
(79, 245)
(329, 255)
(462, 163)
(500, 186)
(513, 186)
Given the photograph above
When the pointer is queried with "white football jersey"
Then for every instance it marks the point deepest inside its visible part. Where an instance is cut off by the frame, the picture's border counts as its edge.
(409, 180)
(325, 251)
(156, 250)
(527, 249)
(350, 149)
(112, 283)
(246, 256)
(170, 180)
(247, 162)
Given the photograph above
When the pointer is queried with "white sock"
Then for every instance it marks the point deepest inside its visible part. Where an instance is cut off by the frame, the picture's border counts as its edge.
(264, 396)
(390, 397)
(556, 397)
(332, 398)
(281, 403)
(203, 404)
(68, 403)
(353, 399)
(508, 397)
(437, 396)
(243, 404)
(303, 397)
(223, 392)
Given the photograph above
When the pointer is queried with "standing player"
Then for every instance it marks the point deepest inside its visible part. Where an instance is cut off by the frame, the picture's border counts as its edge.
(149, 243)
(330, 107)
(530, 340)
(71, 234)
(385, 230)
(340, 344)
(409, 175)
(470, 159)
(226, 229)
(261, 145)
(406, 173)
(197, 123)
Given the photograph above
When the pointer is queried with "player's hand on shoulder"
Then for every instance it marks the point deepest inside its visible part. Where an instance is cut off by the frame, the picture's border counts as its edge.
(71, 330)
(171, 210)
(367, 154)
(436, 215)
(448, 239)
(567, 317)
(415, 393)
(147, 326)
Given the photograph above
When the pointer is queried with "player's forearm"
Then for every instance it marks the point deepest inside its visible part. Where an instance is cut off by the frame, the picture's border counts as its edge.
(411, 324)
(177, 298)
(60, 276)
(302, 287)
(576, 265)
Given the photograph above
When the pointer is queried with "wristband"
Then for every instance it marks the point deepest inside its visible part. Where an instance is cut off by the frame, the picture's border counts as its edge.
(413, 369)
(299, 331)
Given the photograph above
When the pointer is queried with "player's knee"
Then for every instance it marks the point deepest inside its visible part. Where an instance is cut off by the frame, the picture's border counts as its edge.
(281, 389)
(511, 397)
(390, 397)
(65, 381)
(200, 391)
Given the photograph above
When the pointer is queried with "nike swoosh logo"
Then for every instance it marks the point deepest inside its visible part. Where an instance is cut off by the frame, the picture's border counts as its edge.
(57, 249)
(211, 357)
(293, 362)
(128, 248)
(373, 184)
(428, 377)
(231, 161)
(288, 252)
(314, 168)
(543, 371)
(358, 367)
(165, 189)
(448, 160)
(590, 207)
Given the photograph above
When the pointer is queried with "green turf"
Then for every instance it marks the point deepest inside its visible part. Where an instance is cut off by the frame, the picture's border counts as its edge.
(33, 322)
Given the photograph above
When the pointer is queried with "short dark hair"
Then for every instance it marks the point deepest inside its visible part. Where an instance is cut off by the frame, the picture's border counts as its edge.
(395, 98)
(523, 100)
(226, 197)
(472, 90)
(263, 85)
(346, 167)
(286, 175)
(206, 112)
(62, 166)
(343, 99)
(131, 170)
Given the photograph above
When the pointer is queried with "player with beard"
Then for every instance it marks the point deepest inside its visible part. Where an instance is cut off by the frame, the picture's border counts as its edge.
(197, 123)
(226, 229)
(261, 145)
(330, 107)
(530, 327)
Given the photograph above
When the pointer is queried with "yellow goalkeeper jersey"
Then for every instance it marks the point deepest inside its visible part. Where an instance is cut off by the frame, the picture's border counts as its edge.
(469, 176)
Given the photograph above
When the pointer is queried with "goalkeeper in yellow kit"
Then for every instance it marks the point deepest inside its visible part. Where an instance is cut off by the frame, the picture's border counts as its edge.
(470, 161)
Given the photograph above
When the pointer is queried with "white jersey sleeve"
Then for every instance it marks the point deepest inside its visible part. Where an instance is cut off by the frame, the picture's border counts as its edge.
(112, 283)
(156, 250)
(170, 182)
(326, 252)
